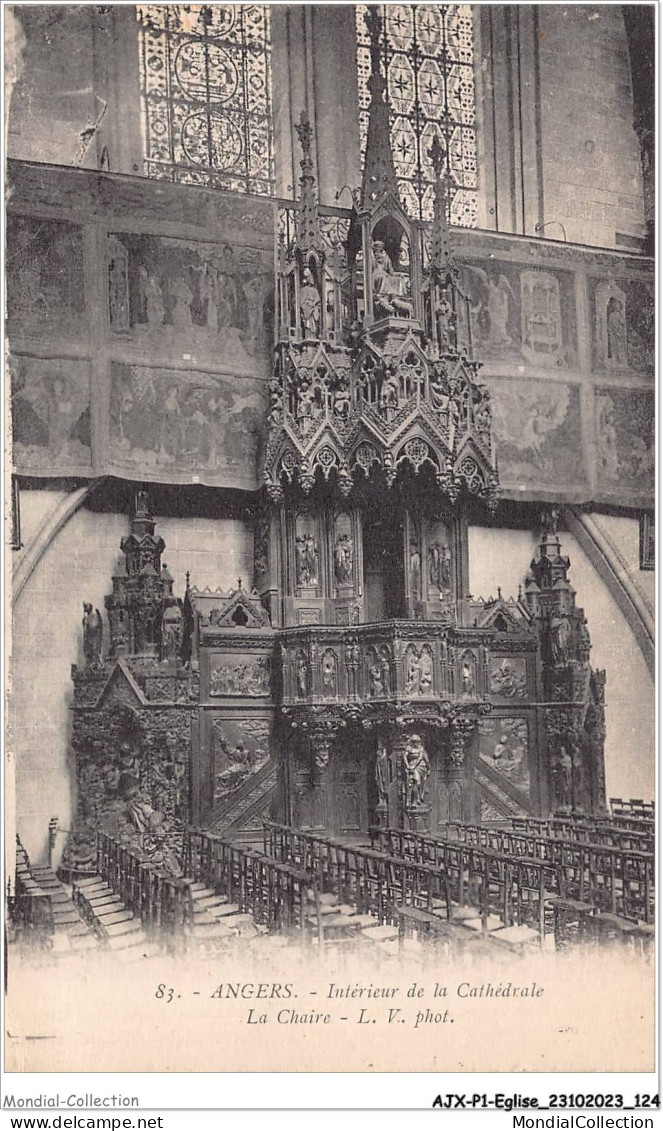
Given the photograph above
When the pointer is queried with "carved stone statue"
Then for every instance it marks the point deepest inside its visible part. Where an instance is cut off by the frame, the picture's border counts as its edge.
(329, 674)
(439, 565)
(415, 570)
(389, 394)
(342, 404)
(382, 774)
(560, 637)
(302, 677)
(467, 687)
(306, 555)
(416, 766)
(375, 683)
(171, 632)
(93, 634)
(343, 556)
(391, 287)
(309, 305)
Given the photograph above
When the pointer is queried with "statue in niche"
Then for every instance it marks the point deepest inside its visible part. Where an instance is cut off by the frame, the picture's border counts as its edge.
(416, 766)
(616, 331)
(439, 393)
(171, 632)
(342, 404)
(306, 554)
(415, 569)
(343, 559)
(382, 774)
(309, 305)
(391, 286)
(151, 297)
(608, 458)
(419, 673)
(446, 320)
(305, 408)
(439, 566)
(467, 684)
(302, 677)
(375, 685)
(93, 635)
(561, 634)
(389, 393)
(329, 674)
(183, 296)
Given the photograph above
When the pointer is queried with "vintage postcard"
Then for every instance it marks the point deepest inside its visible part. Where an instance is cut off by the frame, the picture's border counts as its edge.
(330, 542)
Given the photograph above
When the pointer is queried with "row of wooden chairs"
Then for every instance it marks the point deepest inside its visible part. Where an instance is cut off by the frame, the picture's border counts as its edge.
(608, 879)
(590, 830)
(633, 807)
(374, 882)
(278, 896)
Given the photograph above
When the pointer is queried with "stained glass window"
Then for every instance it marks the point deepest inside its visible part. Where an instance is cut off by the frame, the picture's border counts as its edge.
(428, 63)
(205, 76)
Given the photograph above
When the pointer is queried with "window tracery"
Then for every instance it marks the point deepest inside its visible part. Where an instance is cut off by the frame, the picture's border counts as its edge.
(428, 62)
(205, 84)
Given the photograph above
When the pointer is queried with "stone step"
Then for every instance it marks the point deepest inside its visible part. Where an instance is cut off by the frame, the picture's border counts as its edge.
(129, 926)
(209, 901)
(97, 901)
(116, 916)
(226, 909)
(68, 918)
(202, 893)
(88, 882)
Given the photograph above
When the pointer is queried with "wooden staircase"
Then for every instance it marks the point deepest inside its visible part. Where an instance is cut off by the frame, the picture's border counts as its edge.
(499, 798)
(248, 805)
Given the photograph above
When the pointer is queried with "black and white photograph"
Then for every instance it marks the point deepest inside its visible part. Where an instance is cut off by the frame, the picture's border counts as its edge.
(330, 544)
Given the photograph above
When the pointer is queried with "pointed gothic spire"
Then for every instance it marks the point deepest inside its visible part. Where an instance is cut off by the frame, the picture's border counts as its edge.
(308, 237)
(441, 258)
(379, 172)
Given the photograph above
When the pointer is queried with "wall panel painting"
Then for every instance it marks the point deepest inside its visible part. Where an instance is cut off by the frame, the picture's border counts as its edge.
(173, 424)
(50, 412)
(44, 277)
(538, 432)
(208, 299)
(625, 451)
(622, 324)
(521, 314)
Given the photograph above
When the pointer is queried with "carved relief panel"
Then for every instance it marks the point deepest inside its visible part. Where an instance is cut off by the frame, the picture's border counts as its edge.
(237, 676)
(504, 749)
(240, 749)
(507, 677)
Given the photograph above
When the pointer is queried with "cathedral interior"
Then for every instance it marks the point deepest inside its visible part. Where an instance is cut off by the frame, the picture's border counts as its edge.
(331, 344)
